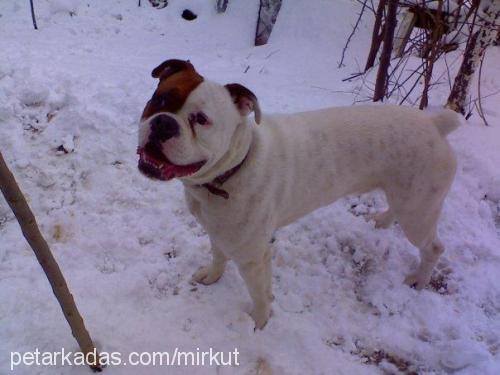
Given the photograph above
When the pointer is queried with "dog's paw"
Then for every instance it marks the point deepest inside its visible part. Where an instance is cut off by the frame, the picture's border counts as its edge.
(260, 316)
(207, 275)
(415, 280)
(382, 219)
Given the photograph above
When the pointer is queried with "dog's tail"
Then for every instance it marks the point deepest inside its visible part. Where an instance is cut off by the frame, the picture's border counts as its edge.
(446, 121)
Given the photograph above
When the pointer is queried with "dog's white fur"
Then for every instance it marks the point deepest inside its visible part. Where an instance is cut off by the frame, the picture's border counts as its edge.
(299, 162)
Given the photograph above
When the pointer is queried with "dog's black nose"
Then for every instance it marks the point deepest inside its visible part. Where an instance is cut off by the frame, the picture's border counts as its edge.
(163, 127)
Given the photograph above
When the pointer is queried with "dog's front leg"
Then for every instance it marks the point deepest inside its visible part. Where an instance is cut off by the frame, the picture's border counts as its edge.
(210, 274)
(258, 278)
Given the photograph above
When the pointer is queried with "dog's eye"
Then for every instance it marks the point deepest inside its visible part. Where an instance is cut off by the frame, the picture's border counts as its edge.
(198, 118)
(201, 118)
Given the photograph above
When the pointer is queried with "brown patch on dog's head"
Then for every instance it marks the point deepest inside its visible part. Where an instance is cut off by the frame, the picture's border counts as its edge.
(178, 79)
(245, 100)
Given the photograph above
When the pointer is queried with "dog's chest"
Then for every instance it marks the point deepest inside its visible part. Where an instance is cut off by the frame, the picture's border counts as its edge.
(238, 219)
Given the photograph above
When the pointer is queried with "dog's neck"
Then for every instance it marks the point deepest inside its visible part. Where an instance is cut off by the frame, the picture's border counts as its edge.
(236, 153)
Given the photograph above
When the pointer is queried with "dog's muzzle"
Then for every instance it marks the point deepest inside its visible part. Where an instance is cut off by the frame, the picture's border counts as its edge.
(152, 161)
(163, 127)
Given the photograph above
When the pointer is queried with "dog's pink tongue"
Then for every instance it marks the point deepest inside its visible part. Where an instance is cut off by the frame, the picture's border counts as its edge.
(171, 171)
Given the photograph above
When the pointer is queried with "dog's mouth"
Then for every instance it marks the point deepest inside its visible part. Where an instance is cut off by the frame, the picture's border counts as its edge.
(153, 164)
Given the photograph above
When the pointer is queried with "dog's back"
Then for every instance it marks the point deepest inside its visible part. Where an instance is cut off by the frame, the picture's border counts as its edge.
(325, 154)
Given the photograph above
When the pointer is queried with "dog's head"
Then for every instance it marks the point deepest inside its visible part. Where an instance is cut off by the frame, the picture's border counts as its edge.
(188, 124)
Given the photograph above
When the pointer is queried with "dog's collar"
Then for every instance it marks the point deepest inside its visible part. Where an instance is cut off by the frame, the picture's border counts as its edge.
(219, 180)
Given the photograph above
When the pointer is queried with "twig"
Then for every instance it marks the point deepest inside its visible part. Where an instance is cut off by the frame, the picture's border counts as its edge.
(412, 88)
(33, 15)
(272, 53)
(479, 104)
(353, 75)
(447, 71)
(370, 7)
(330, 90)
(490, 94)
(353, 31)
(402, 61)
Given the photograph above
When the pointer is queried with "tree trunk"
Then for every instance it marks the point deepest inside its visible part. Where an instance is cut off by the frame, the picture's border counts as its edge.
(222, 6)
(268, 12)
(29, 227)
(377, 35)
(33, 15)
(435, 45)
(474, 51)
(385, 57)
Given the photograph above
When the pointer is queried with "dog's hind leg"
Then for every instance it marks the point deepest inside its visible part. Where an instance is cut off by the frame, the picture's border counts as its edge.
(210, 274)
(419, 223)
(429, 255)
(417, 206)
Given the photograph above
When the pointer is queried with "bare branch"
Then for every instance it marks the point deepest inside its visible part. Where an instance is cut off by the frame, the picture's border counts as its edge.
(341, 63)
(33, 15)
(479, 104)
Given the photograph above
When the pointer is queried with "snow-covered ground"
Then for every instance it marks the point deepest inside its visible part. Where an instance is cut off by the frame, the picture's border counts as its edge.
(128, 246)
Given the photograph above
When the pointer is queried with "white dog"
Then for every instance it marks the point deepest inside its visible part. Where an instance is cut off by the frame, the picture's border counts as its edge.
(243, 181)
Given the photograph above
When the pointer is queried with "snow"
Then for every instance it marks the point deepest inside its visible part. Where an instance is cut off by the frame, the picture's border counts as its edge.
(70, 97)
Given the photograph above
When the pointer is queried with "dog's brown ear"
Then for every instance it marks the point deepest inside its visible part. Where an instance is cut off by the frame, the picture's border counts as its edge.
(170, 67)
(245, 100)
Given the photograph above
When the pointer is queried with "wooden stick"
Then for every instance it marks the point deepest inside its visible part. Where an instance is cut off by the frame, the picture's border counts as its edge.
(31, 232)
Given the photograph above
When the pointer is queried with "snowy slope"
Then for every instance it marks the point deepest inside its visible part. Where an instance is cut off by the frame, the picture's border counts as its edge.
(128, 246)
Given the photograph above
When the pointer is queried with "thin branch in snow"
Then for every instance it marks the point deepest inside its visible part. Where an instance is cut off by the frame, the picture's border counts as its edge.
(412, 87)
(353, 31)
(330, 90)
(353, 76)
(447, 71)
(33, 15)
(364, 3)
(479, 104)
(272, 53)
